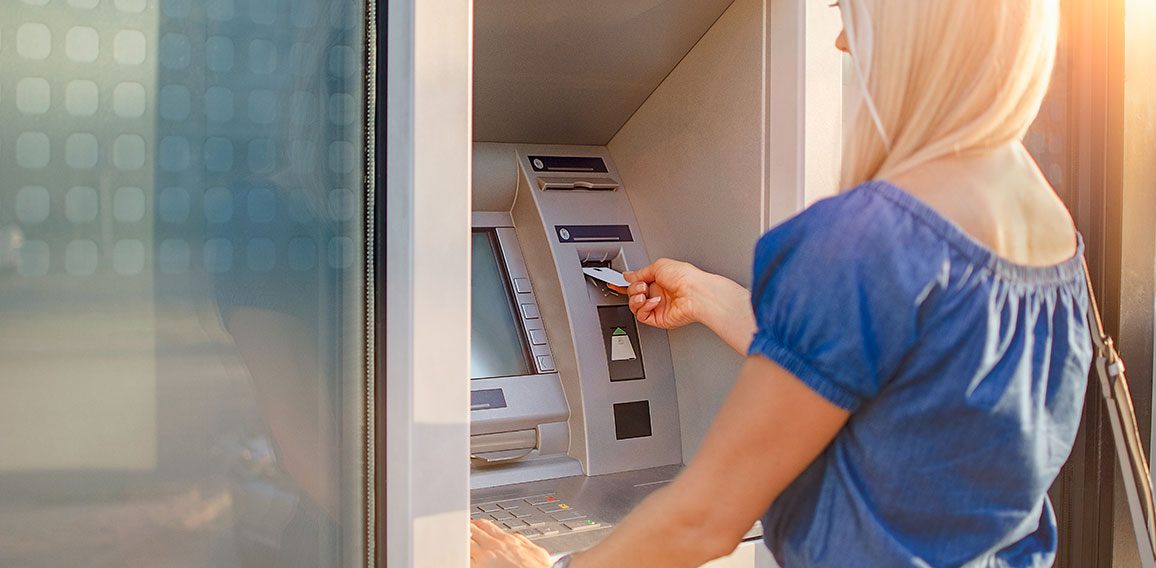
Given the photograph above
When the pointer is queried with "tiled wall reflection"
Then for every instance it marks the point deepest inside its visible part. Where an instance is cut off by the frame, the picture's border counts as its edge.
(166, 165)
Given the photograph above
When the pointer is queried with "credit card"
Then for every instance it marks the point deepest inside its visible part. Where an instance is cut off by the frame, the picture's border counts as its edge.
(607, 275)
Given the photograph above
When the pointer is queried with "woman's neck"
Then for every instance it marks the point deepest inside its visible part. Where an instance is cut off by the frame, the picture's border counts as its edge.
(1001, 199)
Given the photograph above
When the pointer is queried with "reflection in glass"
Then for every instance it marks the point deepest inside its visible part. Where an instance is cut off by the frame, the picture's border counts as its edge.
(180, 283)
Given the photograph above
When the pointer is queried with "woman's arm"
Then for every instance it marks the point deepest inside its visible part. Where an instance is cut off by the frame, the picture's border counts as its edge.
(770, 429)
(669, 294)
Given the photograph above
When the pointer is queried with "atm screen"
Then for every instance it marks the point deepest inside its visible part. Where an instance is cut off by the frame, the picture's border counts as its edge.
(497, 348)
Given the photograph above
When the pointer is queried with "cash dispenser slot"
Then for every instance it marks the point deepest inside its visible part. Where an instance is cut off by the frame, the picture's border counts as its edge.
(503, 446)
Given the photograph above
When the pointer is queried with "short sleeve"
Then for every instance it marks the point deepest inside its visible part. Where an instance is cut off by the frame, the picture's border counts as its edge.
(832, 301)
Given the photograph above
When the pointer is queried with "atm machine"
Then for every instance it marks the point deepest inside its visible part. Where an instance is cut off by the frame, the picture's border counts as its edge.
(605, 134)
(574, 410)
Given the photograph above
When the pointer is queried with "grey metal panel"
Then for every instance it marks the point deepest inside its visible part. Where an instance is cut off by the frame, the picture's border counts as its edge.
(574, 72)
(495, 177)
(527, 303)
(491, 219)
(530, 400)
(569, 309)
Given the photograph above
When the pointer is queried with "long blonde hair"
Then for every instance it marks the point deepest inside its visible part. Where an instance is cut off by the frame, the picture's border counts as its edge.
(942, 77)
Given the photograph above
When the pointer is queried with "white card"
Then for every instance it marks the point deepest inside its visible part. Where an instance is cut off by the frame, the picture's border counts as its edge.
(607, 275)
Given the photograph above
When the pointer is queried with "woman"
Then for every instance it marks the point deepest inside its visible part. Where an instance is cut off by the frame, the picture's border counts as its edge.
(917, 351)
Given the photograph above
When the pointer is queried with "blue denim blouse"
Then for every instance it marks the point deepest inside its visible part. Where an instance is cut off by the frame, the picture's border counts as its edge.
(965, 375)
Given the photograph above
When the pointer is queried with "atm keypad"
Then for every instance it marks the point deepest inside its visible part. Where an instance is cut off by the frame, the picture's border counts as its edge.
(536, 516)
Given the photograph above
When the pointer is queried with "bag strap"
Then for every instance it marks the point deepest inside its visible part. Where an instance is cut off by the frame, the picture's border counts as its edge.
(1125, 432)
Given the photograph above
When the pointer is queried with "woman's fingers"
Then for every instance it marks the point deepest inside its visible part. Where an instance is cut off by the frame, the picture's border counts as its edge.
(491, 547)
(646, 310)
(478, 552)
(636, 302)
(644, 274)
(486, 529)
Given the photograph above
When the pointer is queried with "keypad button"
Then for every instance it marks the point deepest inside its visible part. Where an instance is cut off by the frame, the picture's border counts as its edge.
(515, 524)
(567, 515)
(548, 531)
(489, 508)
(582, 525)
(553, 507)
(540, 499)
(521, 514)
(479, 515)
(537, 521)
(507, 505)
(502, 516)
(530, 533)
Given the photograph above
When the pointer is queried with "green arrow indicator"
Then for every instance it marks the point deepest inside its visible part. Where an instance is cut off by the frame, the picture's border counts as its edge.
(619, 331)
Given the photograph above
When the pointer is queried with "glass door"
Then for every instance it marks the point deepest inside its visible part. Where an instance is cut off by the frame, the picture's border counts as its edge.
(182, 296)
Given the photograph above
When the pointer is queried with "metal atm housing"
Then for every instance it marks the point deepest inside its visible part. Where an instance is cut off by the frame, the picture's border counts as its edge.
(623, 406)
(599, 398)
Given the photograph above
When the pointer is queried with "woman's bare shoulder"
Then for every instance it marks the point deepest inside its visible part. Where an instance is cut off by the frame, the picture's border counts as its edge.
(1002, 201)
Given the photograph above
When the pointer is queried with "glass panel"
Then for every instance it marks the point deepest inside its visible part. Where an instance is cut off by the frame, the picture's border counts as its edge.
(180, 282)
(496, 348)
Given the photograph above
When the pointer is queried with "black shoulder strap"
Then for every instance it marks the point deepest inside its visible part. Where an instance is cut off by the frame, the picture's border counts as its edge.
(1125, 432)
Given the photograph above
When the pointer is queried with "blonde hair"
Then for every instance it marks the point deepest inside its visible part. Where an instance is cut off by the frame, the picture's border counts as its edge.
(942, 77)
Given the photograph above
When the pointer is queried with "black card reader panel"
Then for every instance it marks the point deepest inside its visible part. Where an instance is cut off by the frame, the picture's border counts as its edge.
(620, 336)
(632, 420)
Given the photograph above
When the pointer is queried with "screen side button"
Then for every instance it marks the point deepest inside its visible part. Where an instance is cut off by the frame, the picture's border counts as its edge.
(530, 311)
(545, 363)
(522, 286)
(537, 337)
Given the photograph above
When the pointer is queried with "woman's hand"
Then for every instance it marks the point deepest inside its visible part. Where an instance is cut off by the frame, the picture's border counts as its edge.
(669, 294)
(666, 293)
(491, 547)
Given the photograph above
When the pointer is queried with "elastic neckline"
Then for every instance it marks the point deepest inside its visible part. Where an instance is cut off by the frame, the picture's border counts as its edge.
(1066, 271)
